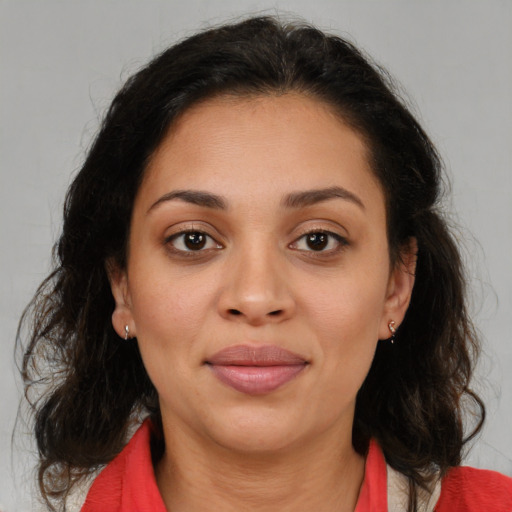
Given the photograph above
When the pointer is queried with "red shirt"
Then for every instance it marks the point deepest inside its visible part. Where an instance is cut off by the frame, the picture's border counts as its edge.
(128, 484)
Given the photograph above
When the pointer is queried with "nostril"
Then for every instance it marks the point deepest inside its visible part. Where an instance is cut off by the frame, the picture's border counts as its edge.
(236, 312)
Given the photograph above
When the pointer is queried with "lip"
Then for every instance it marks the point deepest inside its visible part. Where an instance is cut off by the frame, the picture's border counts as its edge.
(256, 370)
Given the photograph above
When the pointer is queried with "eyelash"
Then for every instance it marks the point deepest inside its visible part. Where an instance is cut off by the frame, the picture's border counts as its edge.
(190, 252)
(339, 240)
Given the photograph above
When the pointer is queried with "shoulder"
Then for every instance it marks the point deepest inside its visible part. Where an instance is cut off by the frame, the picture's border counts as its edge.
(468, 489)
(462, 489)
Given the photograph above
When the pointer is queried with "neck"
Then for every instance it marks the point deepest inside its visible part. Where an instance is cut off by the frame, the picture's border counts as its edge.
(312, 476)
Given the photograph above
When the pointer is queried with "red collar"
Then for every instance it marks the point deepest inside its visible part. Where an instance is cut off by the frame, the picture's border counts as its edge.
(374, 494)
(128, 482)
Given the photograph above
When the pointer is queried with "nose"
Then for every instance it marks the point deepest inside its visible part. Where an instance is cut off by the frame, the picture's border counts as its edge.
(256, 289)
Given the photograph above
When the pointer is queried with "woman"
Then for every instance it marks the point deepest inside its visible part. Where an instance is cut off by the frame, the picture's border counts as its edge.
(253, 265)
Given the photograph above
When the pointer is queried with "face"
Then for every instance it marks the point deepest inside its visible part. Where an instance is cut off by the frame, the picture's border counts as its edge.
(258, 281)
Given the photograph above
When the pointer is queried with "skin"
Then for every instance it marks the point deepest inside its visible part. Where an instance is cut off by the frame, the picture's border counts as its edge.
(257, 281)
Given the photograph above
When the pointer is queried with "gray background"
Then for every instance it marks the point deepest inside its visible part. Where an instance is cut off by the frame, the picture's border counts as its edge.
(61, 62)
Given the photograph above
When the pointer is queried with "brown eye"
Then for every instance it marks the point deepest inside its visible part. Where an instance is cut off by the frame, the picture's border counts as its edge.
(320, 241)
(192, 241)
(317, 241)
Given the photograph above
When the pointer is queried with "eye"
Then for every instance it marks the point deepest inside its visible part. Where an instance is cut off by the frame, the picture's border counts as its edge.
(192, 241)
(319, 241)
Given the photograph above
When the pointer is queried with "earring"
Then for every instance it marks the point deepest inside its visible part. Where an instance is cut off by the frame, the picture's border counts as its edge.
(392, 330)
(126, 332)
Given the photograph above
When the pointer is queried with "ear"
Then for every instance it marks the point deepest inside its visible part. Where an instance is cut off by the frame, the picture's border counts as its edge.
(122, 315)
(399, 291)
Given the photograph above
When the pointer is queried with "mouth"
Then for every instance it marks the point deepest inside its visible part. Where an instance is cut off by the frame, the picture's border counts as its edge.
(256, 370)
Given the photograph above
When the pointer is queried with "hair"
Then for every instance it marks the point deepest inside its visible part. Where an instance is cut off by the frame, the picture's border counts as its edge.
(91, 385)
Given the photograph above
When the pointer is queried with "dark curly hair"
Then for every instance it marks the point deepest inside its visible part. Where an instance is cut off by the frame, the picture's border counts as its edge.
(85, 387)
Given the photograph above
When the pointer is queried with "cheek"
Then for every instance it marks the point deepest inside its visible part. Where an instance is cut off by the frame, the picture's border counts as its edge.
(345, 315)
(166, 319)
(166, 323)
(165, 301)
(347, 306)
(347, 338)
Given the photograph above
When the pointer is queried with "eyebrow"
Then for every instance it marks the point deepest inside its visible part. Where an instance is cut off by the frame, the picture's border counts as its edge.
(311, 197)
(293, 200)
(194, 197)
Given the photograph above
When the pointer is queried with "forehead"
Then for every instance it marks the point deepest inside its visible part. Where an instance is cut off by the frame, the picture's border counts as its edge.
(266, 144)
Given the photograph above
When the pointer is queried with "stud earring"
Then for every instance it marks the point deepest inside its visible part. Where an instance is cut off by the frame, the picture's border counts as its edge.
(126, 332)
(392, 330)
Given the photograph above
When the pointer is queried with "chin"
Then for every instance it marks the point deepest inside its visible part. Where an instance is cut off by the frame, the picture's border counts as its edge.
(264, 433)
